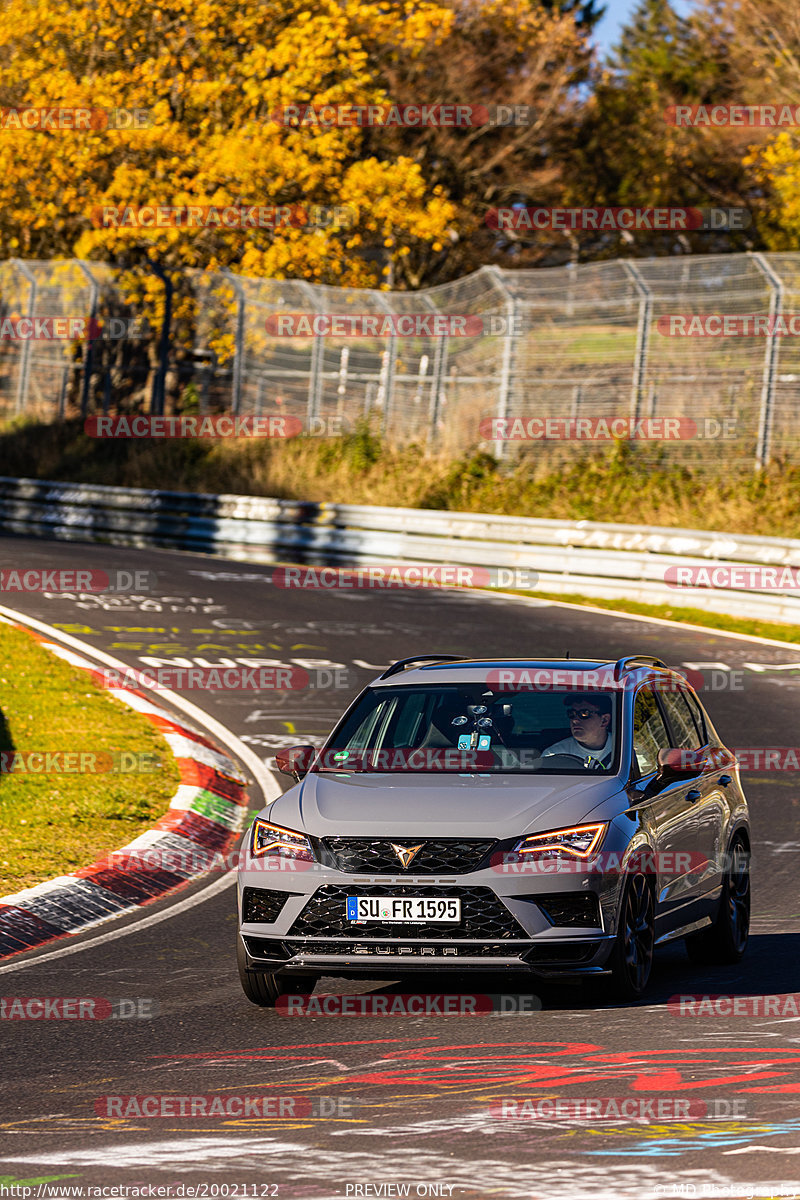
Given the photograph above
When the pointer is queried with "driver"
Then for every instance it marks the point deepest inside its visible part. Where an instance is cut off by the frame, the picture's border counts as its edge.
(589, 722)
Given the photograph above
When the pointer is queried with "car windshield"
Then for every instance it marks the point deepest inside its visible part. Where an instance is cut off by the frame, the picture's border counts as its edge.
(471, 728)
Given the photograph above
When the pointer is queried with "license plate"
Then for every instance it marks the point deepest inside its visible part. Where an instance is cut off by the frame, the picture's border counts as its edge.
(402, 910)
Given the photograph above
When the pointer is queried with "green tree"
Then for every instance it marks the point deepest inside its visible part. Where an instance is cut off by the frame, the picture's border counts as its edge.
(627, 153)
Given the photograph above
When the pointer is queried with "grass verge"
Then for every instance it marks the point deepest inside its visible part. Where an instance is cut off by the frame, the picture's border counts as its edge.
(691, 616)
(50, 824)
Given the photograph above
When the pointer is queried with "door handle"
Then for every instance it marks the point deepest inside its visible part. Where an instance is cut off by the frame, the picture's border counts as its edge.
(725, 780)
(693, 795)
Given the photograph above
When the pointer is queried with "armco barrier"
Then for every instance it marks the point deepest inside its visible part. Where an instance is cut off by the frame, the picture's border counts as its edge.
(601, 561)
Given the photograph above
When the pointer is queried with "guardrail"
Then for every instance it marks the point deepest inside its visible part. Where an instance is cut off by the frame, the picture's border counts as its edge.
(570, 557)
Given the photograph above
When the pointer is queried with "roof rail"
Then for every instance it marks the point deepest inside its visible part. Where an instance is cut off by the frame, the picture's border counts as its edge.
(637, 660)
(402, 663)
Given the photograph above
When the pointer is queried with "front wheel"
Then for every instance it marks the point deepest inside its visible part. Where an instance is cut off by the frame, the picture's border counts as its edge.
(264, 987)
(726, 940)
(632, 957)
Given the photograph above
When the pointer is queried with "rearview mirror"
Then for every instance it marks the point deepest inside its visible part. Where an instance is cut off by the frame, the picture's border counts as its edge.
(295, 760)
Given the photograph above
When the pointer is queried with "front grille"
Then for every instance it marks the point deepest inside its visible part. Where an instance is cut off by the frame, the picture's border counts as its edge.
(570, 908)
(482, 915)
(440, 856)
(263, 904)
(365, 950)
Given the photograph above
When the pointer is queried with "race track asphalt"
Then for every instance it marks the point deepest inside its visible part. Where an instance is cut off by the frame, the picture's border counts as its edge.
(399, 1105)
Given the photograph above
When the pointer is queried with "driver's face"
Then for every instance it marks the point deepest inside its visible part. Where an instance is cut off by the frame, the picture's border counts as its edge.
(588, 725)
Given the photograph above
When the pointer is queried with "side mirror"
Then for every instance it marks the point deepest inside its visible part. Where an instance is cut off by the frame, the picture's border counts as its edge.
(679, 764)
(682, 764)
(295, 760)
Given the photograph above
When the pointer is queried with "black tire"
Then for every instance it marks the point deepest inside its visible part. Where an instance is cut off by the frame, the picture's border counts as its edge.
(264, 987)
(632, 958)
(726, 940)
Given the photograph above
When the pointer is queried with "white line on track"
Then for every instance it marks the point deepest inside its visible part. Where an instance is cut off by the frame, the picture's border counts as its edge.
(218, 885)
(264, 778)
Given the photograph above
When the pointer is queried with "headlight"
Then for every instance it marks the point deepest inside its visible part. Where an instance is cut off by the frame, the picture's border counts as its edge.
(274, 839)
(579, 841)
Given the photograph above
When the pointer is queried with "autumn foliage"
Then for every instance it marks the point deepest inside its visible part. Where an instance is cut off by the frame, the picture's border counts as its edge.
(211, 78)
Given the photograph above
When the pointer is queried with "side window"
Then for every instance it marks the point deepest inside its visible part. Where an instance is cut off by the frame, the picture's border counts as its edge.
(681, 721)
(649, 732)
(697, 713)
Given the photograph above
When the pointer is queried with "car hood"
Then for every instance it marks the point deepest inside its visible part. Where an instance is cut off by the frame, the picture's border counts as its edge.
(502, 806)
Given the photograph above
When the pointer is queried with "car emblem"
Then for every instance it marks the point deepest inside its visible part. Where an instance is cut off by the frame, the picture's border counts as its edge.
(406, 853)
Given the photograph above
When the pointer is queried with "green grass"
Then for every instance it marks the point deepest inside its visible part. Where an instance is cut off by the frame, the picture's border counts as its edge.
(52, 824)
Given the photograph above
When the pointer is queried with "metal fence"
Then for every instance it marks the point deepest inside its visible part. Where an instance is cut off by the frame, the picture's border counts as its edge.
(581, 341)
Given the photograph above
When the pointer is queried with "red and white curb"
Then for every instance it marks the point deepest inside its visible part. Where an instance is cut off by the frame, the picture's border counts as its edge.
(205, 818)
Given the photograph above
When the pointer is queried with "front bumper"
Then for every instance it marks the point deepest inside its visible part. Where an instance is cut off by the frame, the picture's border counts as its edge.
(292, 920)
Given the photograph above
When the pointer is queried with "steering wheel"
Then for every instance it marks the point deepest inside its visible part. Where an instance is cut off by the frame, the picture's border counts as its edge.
(566, 760)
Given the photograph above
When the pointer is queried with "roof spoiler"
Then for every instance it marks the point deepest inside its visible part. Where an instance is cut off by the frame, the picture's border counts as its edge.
(631, 661)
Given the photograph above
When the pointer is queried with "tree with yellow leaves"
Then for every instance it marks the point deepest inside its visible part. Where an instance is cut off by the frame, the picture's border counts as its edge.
(210, 77)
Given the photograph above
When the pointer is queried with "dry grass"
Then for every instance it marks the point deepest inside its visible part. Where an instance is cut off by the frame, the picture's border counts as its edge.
(620, 484)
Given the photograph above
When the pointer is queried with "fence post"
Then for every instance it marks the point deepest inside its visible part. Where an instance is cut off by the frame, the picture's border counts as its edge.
(238, 354)
(642, 335)
(441, 347)
(341, 391)
(509, 355)
(315, 366)
(25, 356)
(388, 360)
(88, 357)
(764, 443)
(577, 393)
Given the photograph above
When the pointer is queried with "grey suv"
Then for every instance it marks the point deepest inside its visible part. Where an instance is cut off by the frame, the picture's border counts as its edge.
(535, 817)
